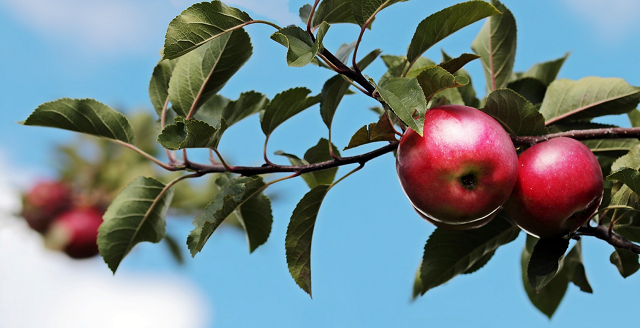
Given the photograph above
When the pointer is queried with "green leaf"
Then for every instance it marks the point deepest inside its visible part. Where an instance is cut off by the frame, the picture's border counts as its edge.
(496, 44)
(136, 215)
(449, 253)
(304, 12)
(202, 73)
(417, 284)
(516, 114)
(404, 96)
(588, 98)
(334, 12)
(573, 268)
(454, 65)
(316, 154)
(634, 117)
(604, 146)
(440, 25)
(545, 72)
(300, 235)
(174, 249)
(446, 97)
(631, 159)
(397, 65)
(256, 219)
(628, 176)
(363, 10)
(548, 299)
(232, 112)
(435, 79)
(85, 116)
(530, 88)
(301, 48)
(467, 92)
(284, 106)
(480, 263)
(336, 87)
(545, 261)
(626, 262)
(380, 131)
(230, 198)
(191, 134)
(159, 84)
(200, 24)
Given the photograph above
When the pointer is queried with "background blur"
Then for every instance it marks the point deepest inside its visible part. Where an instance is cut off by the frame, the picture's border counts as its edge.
(368, 241)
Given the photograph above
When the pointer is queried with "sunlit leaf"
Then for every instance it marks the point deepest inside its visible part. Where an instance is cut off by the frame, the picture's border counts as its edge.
(404, 96)
(496, 44)
(301, 48)
(374, 132)
(85, 116)
(440, 25)
(232, 112)
(159, 84)
(363, 10)
(200, 24)
(136, 215)
(435, 79)
(588, 98)
(191, 134)
(202, 73)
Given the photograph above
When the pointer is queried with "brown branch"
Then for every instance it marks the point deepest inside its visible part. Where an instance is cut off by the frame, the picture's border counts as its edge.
(602, 232)
(608, 133)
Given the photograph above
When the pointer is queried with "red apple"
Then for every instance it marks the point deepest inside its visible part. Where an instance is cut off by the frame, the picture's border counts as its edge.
(559, 188)
(461, 171)
(75, 232)
(44, 202)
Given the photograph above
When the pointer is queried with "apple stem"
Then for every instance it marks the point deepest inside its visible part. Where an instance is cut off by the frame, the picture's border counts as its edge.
(603, 233)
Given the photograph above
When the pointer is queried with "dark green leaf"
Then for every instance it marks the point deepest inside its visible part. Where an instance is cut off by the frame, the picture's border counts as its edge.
(480, 263)
(530, 88)
(174, 249)
(200, 24)
(588, 98)
(84, 116)
(304, 13)
(603, 146)
(284, 106)
(316, 154)
(363, 10)
(548, 299)
(496, 44)
(191, 134)
(159, 84)
(515, 113)
(301, 48)
(300, 235)
(573, 268)
(629, 176)
(202, 73)
(626, 262)
(256, 219)
(417, 284)
(467, 92)
(232, 112)
(446, 97)
(545, 261)
(334, 12)
(455, 64)
(435, 79)
(449, 253)
(440, 25)
(230, 198)
(380, 131)
(336, 87)
(136, 215)
(404, 96)
(545, 72)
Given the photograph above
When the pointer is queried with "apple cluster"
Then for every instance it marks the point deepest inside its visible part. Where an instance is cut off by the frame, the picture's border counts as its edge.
(464, 169)
(66, 224)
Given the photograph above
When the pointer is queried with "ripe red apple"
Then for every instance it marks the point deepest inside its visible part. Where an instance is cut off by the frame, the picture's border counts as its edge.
(75, 232)
(461, 171)
(559, 188)
(43, 202)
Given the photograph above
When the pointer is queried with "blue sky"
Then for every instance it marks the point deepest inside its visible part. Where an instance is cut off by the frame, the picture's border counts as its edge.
(368, 241)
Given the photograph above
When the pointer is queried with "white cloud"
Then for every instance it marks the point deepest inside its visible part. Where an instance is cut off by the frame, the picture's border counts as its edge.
(610, 19)
(103, 26)
(45, 289)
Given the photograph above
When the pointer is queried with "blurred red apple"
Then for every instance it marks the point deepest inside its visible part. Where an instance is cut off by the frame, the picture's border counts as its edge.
(45, 201)
(75, 232)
